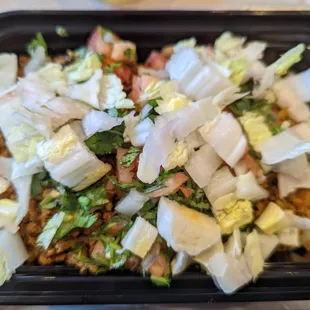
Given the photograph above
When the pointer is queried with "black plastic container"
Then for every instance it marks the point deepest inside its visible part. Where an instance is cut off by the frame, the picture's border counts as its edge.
(151, 30)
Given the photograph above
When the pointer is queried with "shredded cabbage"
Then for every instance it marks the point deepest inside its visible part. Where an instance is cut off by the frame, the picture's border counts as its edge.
(253, 254)
(140, 238)
(83, 69)
(202, 164)
(185, 229)
(98, 121)
(247, 188)
(8, 70)
(12, 254)
(232, 213)
(69, 161)
(50, 229)
(112, 95)
(88, 91)
(178, 157)
(132, 203)
(287, 60)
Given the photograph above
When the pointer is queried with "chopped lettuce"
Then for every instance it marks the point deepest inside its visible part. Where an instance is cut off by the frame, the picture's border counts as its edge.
(106, 142)
(287, 60)
(127, 160)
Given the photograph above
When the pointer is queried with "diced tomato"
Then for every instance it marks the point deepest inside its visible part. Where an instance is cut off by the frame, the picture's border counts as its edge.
(124, 175)
(146, 80)
(133, 263)
(252, 165)
(156, 61)
(139, 85)
(167, 51)
(110, 187)
(187, 191)
(172, 184)
(115, 229)
(159, 267)
(124, 51)
(124, 73)
(97, 250)
(97, 45)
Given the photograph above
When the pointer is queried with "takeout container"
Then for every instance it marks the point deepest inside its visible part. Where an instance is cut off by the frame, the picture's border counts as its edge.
(152, 30)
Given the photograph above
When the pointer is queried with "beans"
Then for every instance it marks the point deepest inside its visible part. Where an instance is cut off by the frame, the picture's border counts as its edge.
(44, 260)
(93, 228)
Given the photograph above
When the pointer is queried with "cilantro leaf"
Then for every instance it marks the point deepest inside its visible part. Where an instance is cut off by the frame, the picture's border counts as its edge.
(126, 186)
(240, 106)
(50, 201)
(198, 200)
(160, 281)
(100, 260)
(68, 200)
(79, 219)
(62, 31)
(102, 143)
(111, 67)
(35, 43)
(149, 212)
(131, 155)
(129, 53)
(93, 196)
(36, 183)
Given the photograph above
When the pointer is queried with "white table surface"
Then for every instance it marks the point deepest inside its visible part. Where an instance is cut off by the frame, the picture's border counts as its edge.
(9, 5)
(6, 5)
